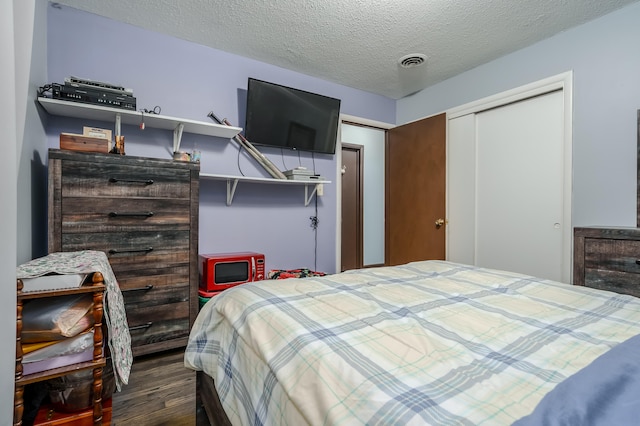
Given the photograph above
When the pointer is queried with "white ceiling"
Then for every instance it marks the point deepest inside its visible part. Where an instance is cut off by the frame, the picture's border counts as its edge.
(357, 43)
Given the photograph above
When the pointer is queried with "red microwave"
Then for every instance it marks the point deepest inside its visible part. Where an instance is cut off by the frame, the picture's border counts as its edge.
(219, 271)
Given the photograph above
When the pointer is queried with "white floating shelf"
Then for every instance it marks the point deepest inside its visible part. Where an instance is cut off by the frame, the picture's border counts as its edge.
(310, 186)
(157, 121)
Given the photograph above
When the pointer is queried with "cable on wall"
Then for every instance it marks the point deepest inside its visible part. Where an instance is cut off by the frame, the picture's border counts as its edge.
(314, 219)
(282, 156)
(314, 226)
(313, 160)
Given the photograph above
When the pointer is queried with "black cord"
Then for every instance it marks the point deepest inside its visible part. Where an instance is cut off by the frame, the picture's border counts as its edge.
(314, 219)
(42, 90)
(313, 159)
(282, 155)
(314, 226)
(156, 110)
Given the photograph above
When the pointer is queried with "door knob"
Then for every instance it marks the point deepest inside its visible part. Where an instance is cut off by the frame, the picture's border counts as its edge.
(439, 223)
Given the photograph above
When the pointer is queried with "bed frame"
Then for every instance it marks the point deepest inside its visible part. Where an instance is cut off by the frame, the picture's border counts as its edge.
(207, 398)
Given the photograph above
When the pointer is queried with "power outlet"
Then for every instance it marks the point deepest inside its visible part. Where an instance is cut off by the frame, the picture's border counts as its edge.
(320, 189)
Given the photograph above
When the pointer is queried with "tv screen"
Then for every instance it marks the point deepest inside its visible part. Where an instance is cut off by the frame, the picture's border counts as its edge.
(290, 118)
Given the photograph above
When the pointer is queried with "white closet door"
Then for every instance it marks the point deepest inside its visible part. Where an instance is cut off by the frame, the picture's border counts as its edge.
(461, 195)
(519, 186)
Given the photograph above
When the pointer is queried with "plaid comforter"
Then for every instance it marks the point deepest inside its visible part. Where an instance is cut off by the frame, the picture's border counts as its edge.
(429, 342)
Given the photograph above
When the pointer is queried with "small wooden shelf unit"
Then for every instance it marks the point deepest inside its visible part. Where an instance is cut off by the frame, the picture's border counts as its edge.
(97, 287)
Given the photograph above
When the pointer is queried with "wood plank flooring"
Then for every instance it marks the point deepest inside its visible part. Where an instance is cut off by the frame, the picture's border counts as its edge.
(161, 391)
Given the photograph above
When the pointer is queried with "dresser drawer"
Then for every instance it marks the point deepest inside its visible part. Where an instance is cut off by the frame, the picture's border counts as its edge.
(155, 283)
(154, 294)
(92, 214)
(612, 254)
(150, 325)
(136, 245)
(619, 282)
(611, 264)
(165, 266)
(82, 179)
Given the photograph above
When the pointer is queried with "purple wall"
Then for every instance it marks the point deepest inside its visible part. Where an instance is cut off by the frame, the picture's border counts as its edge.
(188, 80)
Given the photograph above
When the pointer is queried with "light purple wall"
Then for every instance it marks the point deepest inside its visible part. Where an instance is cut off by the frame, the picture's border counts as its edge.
(188, 80)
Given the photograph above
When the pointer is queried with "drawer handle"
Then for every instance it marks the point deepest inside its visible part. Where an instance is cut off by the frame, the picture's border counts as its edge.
(145, 250)
(145, 288)
(143, 181)
(126, 214)
(140, 327)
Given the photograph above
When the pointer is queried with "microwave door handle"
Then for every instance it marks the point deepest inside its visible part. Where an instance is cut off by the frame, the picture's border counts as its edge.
(253, 269)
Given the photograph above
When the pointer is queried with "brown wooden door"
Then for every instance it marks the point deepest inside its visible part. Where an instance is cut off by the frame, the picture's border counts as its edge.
(352, 219)
(415, 191)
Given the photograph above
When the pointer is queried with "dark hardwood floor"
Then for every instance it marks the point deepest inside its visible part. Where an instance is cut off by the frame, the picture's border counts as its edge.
(161, 391)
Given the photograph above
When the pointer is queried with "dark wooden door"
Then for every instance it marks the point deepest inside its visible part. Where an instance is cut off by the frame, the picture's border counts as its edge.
(415, 191)
(352, 211)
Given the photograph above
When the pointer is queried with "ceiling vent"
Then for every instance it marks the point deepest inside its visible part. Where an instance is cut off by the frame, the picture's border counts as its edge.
(412, 60)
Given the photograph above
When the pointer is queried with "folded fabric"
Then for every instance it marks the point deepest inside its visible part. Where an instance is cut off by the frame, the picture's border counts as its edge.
(57, 361)
(56, 318)
(30, 347)
(71, 345)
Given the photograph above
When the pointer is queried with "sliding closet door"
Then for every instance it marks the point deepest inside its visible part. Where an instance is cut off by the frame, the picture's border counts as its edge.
(519, 186)
(509, 181)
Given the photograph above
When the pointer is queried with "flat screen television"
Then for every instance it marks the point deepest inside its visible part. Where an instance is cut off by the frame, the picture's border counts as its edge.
(285, 117)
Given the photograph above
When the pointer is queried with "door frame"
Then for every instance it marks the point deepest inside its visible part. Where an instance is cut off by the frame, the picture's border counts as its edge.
(563, 82)
(358, 149)
(358, 121)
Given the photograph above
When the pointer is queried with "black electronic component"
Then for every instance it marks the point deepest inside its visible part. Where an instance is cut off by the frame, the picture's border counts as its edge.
(97, 97)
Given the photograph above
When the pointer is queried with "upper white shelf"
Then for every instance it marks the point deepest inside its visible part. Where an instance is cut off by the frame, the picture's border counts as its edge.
(232, 183)
(157, 121)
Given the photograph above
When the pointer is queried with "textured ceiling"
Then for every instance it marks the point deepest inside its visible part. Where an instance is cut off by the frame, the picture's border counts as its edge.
(357, 43)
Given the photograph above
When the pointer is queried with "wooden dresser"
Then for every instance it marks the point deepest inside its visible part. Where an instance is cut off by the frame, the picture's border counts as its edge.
(143, 213)
(607, 259)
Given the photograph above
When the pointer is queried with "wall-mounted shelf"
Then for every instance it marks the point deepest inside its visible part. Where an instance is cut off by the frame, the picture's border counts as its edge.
(157, 121)
(310, 187)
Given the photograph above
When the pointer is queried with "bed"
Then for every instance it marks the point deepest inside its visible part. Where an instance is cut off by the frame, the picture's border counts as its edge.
(429, 342)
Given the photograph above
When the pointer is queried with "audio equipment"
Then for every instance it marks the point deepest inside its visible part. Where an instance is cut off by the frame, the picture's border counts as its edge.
(93, 96)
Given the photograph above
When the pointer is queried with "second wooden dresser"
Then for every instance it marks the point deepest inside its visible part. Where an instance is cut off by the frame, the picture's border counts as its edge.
(607, 259)
(143, 213)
